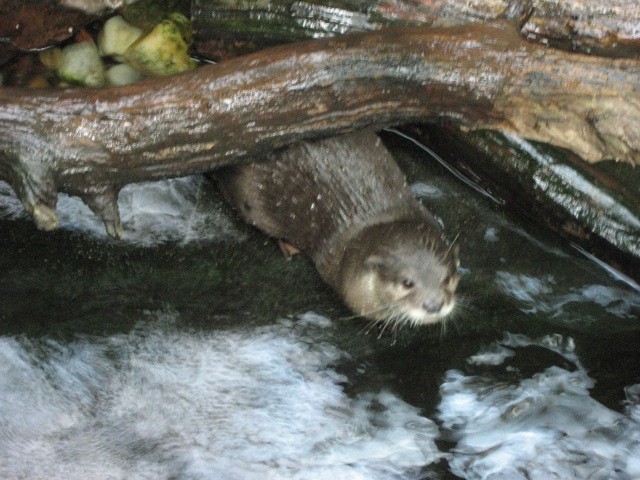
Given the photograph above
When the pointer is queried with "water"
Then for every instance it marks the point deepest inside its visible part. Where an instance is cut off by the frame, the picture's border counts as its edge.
(543, 426)
(153, 213)
(192, 350)
(163, 403)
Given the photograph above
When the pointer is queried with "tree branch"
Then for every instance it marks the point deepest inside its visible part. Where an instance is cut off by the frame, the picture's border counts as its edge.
(609, 28)
(92, 142)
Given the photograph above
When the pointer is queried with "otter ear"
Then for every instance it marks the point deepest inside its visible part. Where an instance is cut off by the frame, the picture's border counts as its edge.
(374, 262)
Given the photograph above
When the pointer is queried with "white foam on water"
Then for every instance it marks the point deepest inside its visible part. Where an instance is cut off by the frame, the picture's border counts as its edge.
(423, 190)
(526, 288)
(536, 295)
(543, 427)
(491, 235)
(632, 402)
(151, 213)
(10, 206)
(493, 355)
(162, 403)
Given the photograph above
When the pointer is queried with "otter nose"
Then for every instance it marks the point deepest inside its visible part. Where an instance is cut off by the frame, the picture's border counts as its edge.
(433, 306)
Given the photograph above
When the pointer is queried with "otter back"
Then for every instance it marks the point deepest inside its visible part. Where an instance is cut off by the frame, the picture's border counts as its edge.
(319, 194)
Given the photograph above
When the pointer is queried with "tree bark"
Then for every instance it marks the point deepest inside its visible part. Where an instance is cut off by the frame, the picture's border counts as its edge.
(92, 142)
(604, 28)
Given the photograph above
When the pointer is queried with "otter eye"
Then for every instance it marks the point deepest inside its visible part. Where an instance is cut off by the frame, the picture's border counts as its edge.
(406, 283)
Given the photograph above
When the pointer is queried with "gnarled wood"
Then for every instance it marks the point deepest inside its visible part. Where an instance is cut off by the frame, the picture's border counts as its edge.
(92, 142)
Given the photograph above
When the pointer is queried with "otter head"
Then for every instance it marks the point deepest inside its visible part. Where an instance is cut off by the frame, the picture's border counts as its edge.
(398, 272)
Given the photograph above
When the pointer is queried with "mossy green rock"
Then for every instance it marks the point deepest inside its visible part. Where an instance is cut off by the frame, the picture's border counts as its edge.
(163, 51)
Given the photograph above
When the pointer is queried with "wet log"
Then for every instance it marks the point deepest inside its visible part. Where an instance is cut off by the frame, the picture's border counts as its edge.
(553, 188)
(92, 142)
(604, 28)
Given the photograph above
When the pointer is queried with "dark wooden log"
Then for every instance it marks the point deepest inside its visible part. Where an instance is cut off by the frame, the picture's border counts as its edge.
(92, 142)
(556, 190)
(605, 28)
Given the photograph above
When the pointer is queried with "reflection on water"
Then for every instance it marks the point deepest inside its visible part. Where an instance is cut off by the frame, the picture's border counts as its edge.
(161, 403)
(266, 402)
(537, 295)
(544, 426)
(227, 378)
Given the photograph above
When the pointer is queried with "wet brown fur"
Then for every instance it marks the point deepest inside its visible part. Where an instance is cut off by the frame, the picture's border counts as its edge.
(344, 202)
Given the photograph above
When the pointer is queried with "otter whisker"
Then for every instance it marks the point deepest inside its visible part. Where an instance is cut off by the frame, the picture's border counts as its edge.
(387, 317)
(368, 313)
(399, 323)
(454, 322)
(388, 320)
(350, 317)
(453, 242)
(461, 311)
(384, 327)
(402, 321)
(370, 325)
(443, 327)
(396, 320)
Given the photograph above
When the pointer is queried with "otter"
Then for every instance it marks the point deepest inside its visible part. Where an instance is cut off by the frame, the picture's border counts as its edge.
(345, 202)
